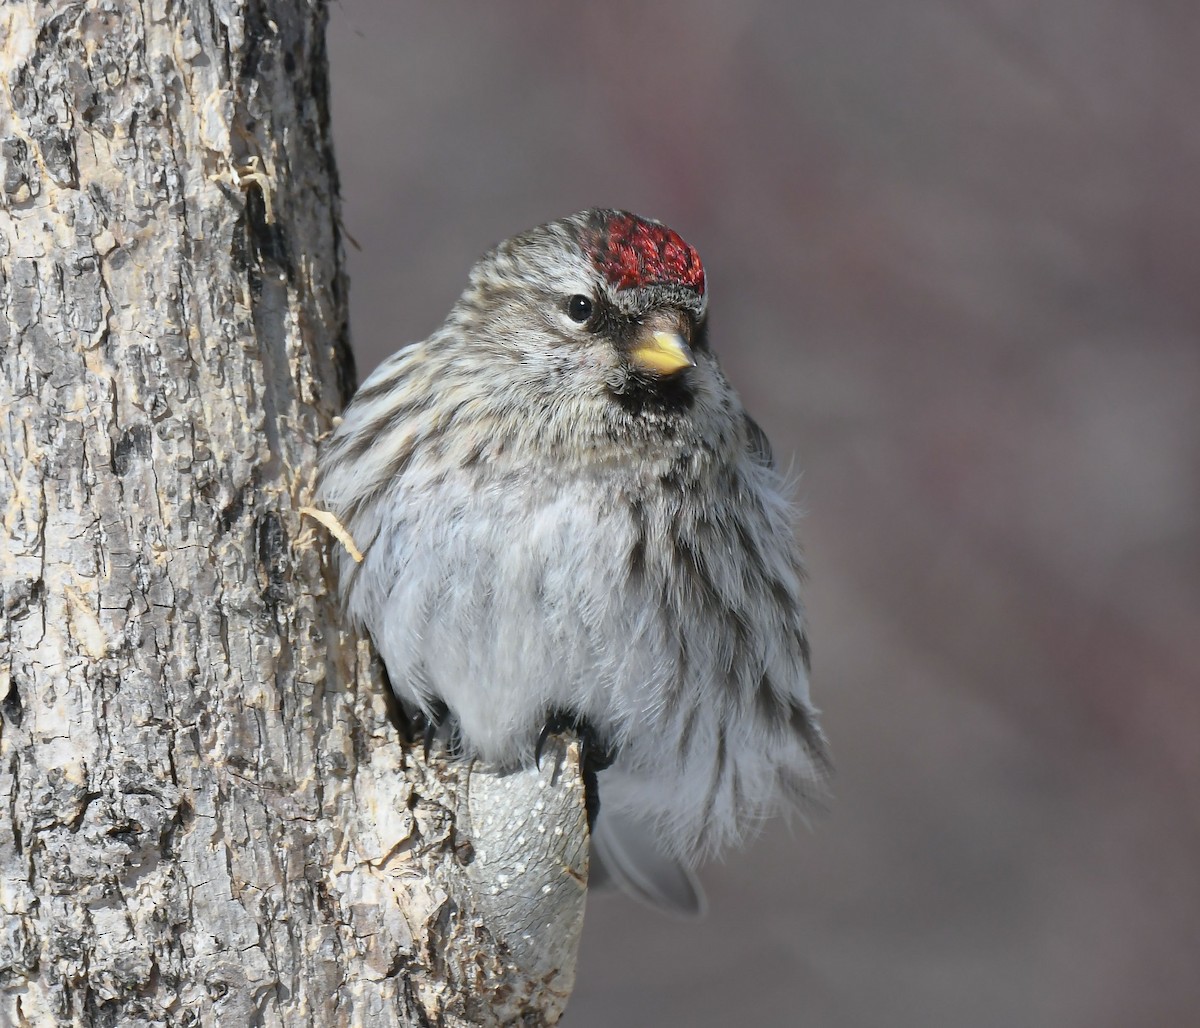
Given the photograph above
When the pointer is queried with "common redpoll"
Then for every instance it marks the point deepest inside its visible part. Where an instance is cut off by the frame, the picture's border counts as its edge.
(568, 518)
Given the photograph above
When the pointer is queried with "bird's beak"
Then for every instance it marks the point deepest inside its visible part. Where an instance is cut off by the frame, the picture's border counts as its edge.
(662, 353)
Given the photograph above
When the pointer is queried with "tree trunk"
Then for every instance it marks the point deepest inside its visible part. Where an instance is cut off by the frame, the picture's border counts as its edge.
(208, 816)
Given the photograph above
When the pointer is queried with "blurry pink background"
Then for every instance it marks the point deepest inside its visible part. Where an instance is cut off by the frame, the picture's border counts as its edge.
(954, 260)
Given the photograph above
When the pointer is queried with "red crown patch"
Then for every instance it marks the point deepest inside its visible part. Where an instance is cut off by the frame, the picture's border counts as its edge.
(630, 251)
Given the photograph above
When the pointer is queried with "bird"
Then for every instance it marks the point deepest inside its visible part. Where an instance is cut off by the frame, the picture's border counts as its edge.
(568, 519)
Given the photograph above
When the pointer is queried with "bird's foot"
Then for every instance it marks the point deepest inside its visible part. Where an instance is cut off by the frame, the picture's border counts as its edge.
(427, 726)
(595, 754)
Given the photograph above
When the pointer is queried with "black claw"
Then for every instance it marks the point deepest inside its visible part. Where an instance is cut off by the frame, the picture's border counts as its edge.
(425, 726)
(595, 754)
(555, 723)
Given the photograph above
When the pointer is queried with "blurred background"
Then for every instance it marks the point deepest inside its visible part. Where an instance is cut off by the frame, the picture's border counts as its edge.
(953, 251)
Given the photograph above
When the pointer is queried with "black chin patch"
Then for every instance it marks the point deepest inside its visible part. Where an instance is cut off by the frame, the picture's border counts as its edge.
(649, 394)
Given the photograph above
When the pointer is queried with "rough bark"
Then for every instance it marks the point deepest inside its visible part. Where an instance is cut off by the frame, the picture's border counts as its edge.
(206, 813)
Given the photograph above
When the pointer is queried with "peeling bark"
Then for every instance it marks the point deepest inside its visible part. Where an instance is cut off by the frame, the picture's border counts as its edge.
(208, 816)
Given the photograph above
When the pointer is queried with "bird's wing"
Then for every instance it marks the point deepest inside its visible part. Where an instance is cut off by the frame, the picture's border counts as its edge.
(760, 445)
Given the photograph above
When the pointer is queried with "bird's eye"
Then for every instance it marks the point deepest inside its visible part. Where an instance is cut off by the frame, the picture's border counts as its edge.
(579, 308)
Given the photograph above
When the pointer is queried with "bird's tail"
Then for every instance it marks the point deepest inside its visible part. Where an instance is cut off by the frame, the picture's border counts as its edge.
(624, 854)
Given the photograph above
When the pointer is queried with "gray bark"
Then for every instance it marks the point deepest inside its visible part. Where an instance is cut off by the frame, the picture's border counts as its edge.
(206, 813)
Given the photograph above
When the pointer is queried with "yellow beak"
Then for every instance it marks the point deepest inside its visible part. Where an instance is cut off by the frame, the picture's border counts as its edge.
(662, 353)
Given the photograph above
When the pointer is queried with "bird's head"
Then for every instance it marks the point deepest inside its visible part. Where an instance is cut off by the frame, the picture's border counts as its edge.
(601, 304)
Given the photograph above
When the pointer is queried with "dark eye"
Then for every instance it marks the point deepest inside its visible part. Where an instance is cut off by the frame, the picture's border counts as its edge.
(579, 308)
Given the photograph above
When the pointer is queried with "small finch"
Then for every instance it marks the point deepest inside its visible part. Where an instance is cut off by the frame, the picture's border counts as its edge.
(569, 520)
